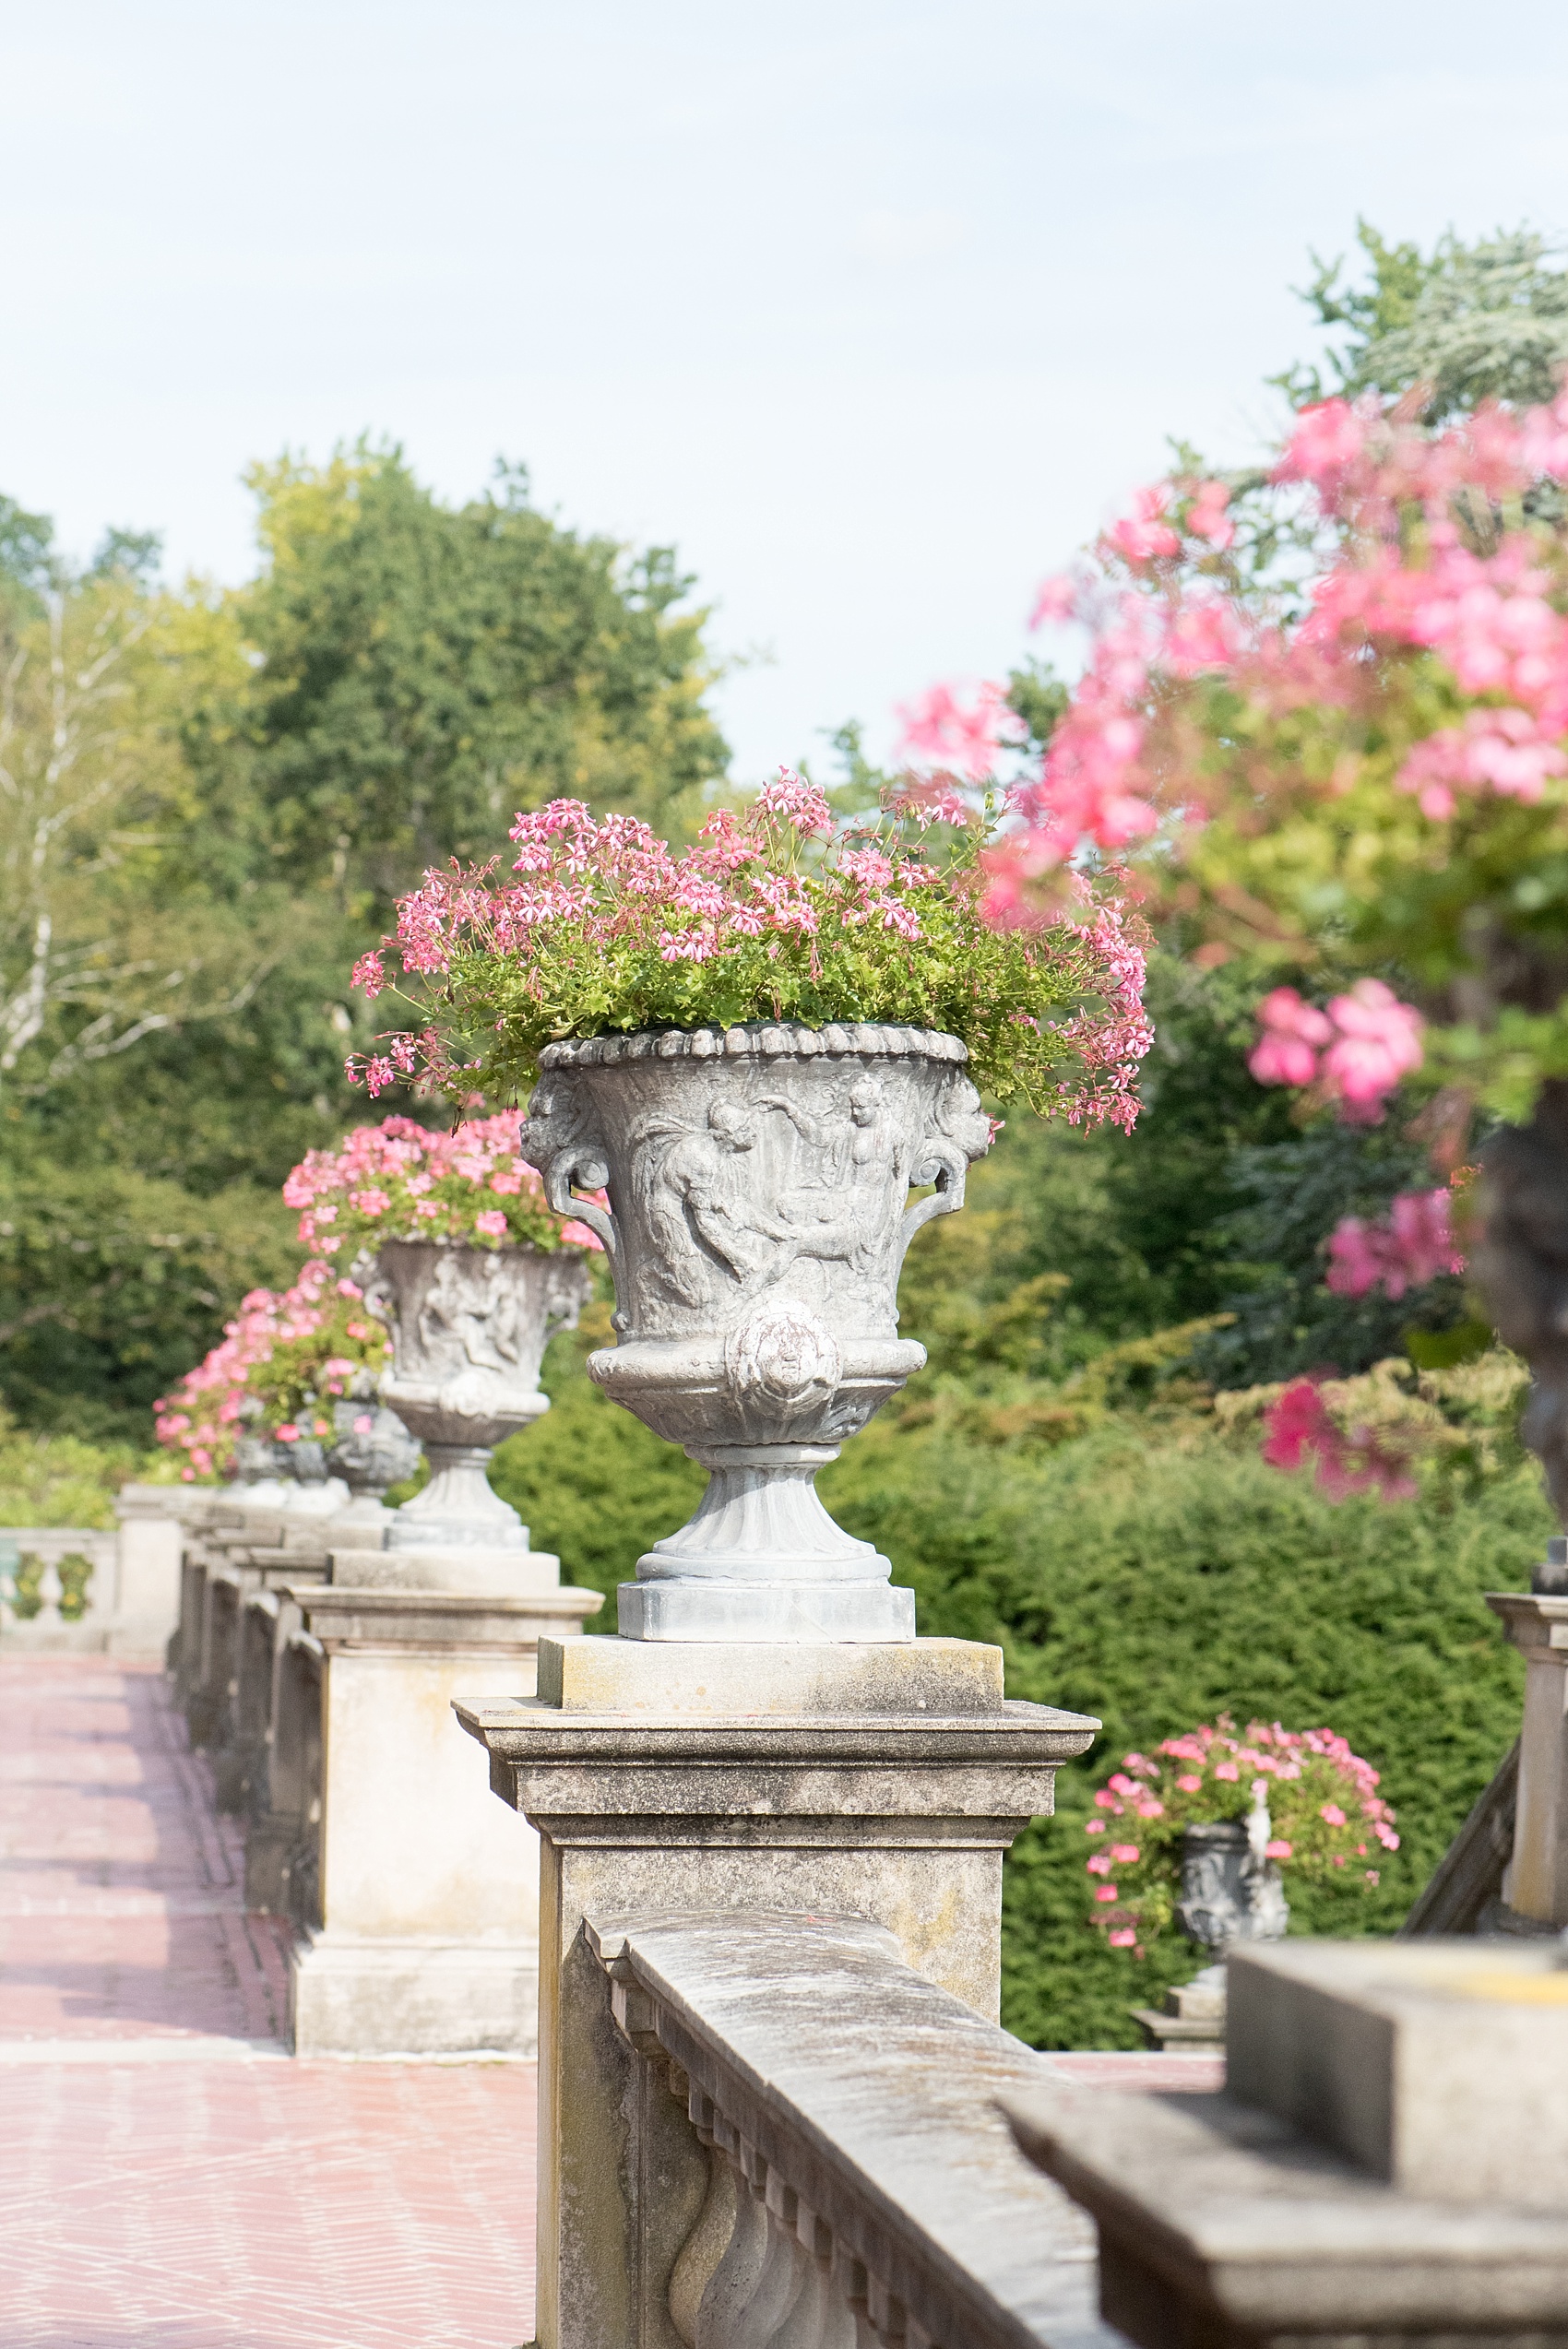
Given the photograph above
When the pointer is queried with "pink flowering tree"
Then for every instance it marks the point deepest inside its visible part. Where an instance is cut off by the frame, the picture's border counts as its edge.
(777, 913)
(401, 1181)
(282, 1364)
(1331, 1826)
(1352, 780)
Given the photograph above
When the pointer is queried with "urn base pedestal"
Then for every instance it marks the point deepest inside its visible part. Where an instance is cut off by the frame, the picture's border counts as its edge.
(777, 1614)
(476, 1574)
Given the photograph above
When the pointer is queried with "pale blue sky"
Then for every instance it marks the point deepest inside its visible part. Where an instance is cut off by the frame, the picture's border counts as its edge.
(874, 310)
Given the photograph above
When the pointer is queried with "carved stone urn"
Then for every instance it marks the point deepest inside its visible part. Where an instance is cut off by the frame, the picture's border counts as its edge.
(469, 1327)
(1230, 1889)
(371, 1450)
(759, 1182)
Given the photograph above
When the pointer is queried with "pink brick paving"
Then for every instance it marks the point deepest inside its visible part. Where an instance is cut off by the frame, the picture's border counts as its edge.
(168, 2177)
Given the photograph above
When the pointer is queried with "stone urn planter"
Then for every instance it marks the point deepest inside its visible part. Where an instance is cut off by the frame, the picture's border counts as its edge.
(371, 1450)
(468, 1328)
(759, 1182)
(1230, 1891)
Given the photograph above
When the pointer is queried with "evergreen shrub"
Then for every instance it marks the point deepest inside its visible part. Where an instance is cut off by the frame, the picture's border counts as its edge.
(1152, 1573)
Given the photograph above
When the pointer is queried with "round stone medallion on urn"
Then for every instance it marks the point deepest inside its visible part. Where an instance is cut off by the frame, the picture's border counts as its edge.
(468, 1328)
(758, 1181)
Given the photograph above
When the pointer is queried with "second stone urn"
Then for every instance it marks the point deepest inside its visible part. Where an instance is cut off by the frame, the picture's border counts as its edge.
(469, 1327)
(759, 1181)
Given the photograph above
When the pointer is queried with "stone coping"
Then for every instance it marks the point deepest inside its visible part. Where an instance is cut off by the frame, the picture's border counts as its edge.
(871, 2095)
(533, 1730)
(1532, 1619)
(387, 1618)
(772, 1039)
(1227, 2226)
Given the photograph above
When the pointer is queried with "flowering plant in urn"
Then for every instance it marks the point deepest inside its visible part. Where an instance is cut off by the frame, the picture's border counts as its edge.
(472, 1272)
(755, 1053)
(285, 1364)
(1316, 1803)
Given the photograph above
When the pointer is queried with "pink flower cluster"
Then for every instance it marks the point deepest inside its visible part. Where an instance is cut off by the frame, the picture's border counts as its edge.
(401, 1181)
(205, 1413)
(616, 880)
(955, 738)
(1354, 1053)
(1412, 1246)
(1095, 782)
(1324, 1795)
(1162, 610)
(1300, 1426)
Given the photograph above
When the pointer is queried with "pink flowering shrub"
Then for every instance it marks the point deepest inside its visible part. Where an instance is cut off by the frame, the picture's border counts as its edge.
(1379, 1431)
(1415, 1244)
(1354, 1053)
(282, 1362)
(1350, 1452)
(1358, 776)
(399, 1180)
(774, 915)
(1328, 1819)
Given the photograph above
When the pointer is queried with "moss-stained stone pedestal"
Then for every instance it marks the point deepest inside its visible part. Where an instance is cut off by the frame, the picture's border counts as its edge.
(883, 1782)
(429, 1936)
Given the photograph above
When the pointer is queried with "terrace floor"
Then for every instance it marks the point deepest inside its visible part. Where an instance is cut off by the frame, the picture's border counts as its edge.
(170, 2177)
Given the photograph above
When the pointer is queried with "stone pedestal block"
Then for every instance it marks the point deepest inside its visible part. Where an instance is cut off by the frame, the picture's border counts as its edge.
(509, 1572)
(147, 1595)
(884, 1782)
(1536, 1883)
(428, 1934)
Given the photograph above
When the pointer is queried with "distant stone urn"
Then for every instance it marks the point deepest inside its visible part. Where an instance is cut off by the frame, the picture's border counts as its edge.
(759, 1182)
(1230, 1889)
(372, 1448)
(469, 1327)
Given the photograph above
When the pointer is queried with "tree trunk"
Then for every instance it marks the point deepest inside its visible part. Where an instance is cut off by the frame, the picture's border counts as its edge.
(1522, 1266)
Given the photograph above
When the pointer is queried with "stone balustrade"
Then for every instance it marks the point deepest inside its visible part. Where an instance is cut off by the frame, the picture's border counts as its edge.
(316, 1666)
(842, 2173)
(131, 1595)
(822, 1780)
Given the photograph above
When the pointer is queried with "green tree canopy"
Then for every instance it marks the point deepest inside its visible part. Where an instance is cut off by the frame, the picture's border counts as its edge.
(427, 669)
(1472, 322)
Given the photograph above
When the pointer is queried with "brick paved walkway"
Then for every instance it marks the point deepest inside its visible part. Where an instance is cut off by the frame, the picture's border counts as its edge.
(168, 2177)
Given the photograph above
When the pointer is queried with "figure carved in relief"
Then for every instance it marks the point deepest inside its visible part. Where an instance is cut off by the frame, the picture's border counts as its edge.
(839, 1211)
(699, 1208)
(706, 1214)
(465, 1324)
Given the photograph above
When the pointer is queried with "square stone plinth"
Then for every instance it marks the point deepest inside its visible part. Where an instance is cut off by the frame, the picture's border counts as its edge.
(429, 1936)
(884, 1782)
(950, 1678)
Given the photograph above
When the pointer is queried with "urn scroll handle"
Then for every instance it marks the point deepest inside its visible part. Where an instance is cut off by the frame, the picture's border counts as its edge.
(946, 1164)
(569, 1161)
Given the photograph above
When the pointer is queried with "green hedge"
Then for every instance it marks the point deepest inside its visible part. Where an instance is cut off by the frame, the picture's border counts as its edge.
(1152, 1575)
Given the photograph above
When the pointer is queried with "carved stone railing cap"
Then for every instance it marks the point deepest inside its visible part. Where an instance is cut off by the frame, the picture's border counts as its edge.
(872, 2093)
(755, 1040)
(1533, 1619)
(1019, 1733)
(383, 1617)
(1240, 2214)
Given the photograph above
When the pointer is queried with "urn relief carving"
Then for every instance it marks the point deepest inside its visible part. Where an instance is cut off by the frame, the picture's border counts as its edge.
(758, 1181)
(468, 1328)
